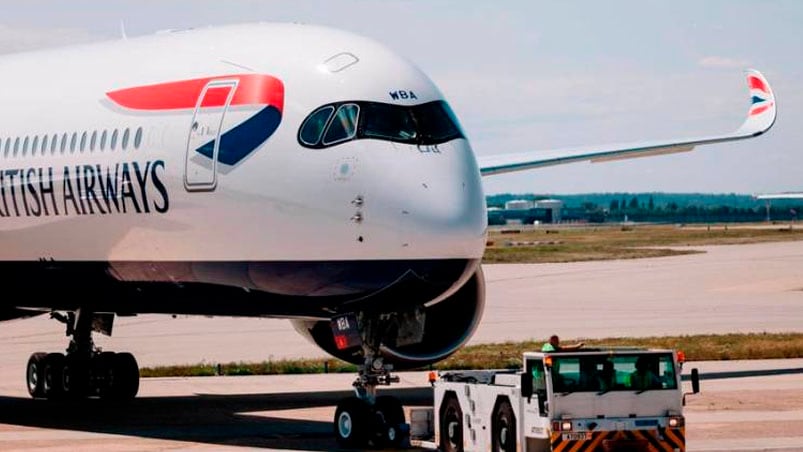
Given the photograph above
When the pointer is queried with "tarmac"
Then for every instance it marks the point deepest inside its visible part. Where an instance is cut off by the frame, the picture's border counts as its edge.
(294, 413)
(750, 405)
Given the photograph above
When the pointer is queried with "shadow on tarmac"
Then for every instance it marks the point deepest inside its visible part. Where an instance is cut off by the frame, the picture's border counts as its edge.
(226, 420)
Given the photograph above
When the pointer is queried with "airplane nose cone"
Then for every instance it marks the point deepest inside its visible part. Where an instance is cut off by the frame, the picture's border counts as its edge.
(435, 195)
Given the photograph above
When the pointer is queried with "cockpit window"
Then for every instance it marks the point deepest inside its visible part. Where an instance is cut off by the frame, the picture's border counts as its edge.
(431, 123)
(438, 123)
(388, 122)
(312, 129)
(343, 126)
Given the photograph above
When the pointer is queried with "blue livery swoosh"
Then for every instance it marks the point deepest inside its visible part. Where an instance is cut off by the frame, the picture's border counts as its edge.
(239, 142)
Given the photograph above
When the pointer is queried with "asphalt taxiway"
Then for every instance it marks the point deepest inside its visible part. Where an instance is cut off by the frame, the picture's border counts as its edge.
(762, 412)
(747, 288)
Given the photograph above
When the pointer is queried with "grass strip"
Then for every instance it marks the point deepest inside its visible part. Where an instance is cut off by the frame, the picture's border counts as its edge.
(278, 367)
(706, 347)
(573, 244)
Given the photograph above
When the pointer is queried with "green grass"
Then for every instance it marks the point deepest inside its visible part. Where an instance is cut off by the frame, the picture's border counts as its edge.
(280, 367)
(572, 244)
(708, 347)
(508, 355)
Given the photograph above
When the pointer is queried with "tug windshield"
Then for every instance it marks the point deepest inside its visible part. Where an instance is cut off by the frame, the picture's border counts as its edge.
(604, 373)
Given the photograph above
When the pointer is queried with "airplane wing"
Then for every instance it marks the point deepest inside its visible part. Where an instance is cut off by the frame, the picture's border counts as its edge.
(760, 117)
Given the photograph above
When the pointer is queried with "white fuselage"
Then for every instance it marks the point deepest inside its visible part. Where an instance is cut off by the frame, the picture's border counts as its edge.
(85, 199)
(283, 202)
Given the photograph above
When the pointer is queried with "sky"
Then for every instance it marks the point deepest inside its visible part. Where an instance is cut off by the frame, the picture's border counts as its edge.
(540, 75)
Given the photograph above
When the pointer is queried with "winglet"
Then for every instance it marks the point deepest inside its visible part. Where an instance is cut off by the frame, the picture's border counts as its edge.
(761, 115)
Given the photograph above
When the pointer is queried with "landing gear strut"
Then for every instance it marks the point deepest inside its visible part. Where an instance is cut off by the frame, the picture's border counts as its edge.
(85, 370)
(365, 418)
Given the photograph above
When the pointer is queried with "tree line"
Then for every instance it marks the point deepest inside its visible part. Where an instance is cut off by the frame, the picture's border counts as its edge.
(664, 207)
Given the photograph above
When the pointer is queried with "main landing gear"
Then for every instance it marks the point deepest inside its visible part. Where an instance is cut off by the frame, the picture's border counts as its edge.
(85, 370)
(366, 419)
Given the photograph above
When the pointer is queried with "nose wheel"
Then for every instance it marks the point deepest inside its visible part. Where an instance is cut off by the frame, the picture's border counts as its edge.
(85, 370)
(359, 423)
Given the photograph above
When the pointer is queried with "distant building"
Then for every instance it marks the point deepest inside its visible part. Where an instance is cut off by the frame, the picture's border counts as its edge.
(522, 211)
(554, 206)
(519, 204)
(496, 216)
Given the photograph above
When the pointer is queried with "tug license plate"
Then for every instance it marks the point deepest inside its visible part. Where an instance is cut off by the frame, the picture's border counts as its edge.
(576, 436)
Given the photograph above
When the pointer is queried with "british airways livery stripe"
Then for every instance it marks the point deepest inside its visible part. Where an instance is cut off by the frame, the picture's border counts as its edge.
(252, 89)
(235, 143)
(760, 93)
(239, 141)
(757, 83)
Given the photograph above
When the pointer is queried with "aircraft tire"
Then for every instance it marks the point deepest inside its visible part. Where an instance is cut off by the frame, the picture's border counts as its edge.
(34, 375)
(390, 420)
(52, 375)
(125, 377)
(103, 374)
(351, 423)
(75, 377)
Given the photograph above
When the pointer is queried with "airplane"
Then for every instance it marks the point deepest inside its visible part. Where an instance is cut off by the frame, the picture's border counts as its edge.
(266, 170)
(788, 195)
(769, 197)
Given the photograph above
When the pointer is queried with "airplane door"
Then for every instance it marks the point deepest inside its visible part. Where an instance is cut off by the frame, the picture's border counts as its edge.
(200, 169)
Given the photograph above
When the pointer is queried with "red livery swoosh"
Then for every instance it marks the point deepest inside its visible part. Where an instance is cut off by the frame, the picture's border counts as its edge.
(252, 89)
(757, 83)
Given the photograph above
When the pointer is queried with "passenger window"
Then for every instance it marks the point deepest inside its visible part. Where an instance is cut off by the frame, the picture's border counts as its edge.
(124, 144)
(53, 144)
(34, 145)
(73, 141)
(343, 125)
(16, 146)
(113, 142)
(103, 141)
(138, 138)
(83, 142)
(8, 147)
(93, 140)
(25, 146)
(312, 129)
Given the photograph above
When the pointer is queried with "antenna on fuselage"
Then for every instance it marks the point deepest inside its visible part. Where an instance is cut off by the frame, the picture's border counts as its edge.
(122, 30)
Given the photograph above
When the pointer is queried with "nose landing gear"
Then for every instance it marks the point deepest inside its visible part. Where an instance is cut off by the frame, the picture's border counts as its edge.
(366, 419)
(85, 370)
